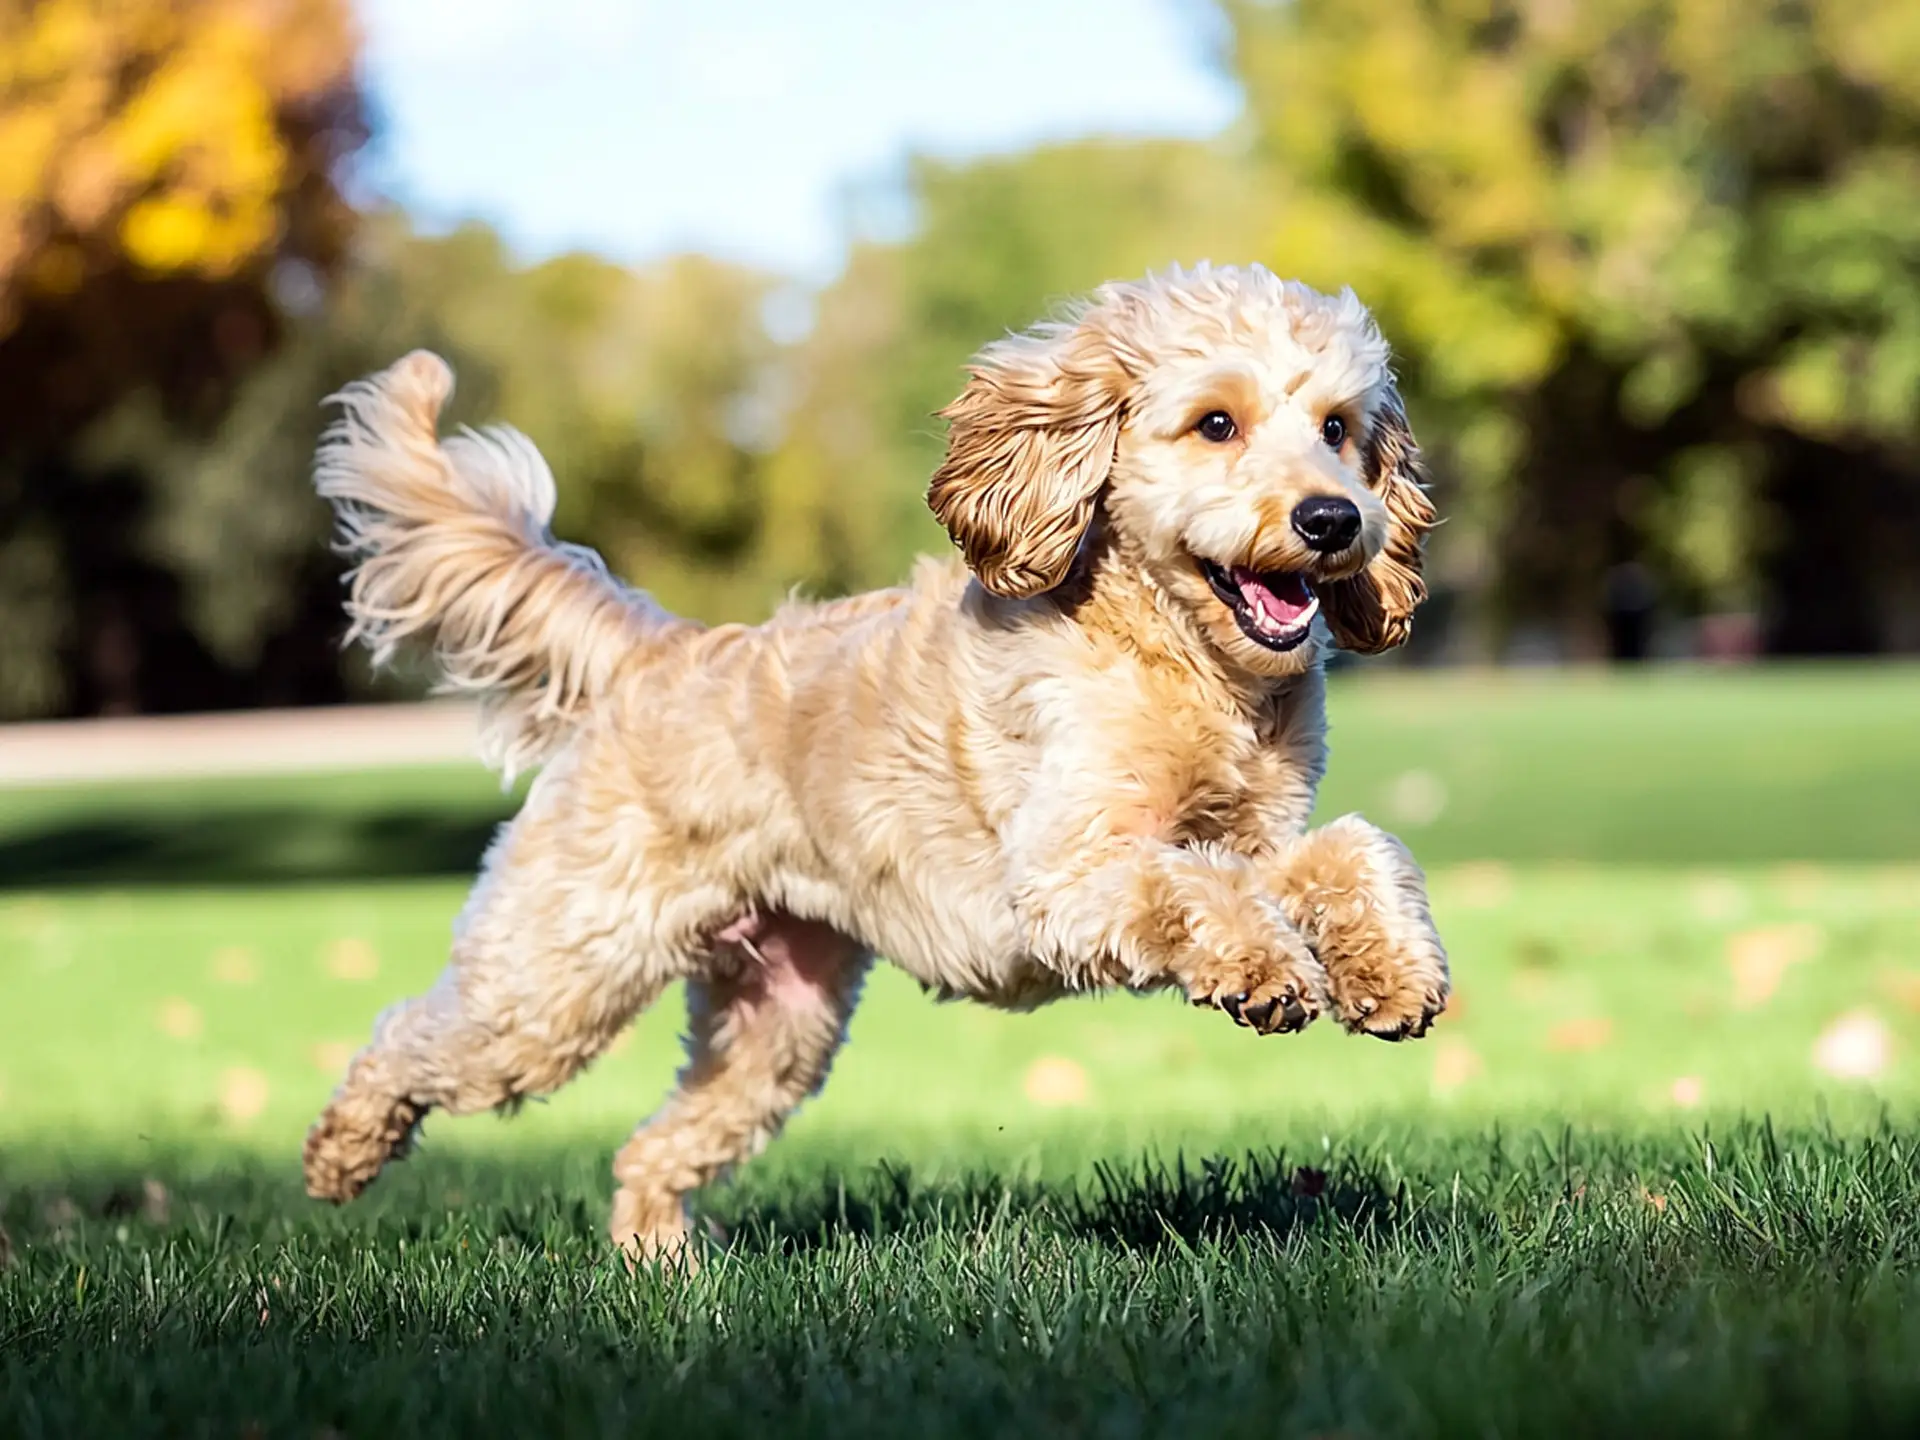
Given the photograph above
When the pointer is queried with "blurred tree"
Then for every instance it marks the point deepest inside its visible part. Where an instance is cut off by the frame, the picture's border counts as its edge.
(1654, 270)
(995, 245)
(645, 390)
(165, 166)
(652, 393)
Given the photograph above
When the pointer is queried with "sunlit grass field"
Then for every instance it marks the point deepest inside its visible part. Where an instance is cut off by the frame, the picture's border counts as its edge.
(1654, 1168)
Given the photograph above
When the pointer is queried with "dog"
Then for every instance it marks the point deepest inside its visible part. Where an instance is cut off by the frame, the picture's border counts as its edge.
(1083, 760)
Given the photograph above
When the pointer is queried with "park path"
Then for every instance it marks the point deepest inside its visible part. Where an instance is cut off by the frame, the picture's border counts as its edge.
(255, 742)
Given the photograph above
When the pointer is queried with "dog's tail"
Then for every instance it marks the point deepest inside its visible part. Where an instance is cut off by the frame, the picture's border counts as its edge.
(450, 545)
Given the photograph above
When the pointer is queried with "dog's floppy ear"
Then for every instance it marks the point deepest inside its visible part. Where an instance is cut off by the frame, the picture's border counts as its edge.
(1031, 441)
(1373, 611)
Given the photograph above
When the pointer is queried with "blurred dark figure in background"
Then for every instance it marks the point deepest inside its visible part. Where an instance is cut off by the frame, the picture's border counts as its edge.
(1631, 598)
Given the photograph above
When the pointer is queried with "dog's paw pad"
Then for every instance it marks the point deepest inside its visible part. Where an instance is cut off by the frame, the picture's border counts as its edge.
(1268, 1000)
(1395, 1018)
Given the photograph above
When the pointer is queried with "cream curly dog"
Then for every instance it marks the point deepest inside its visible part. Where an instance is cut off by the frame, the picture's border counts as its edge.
(1084, 761)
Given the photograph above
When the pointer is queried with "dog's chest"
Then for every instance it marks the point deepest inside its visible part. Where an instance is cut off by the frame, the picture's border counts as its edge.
(1229, 804)
(1240, 784)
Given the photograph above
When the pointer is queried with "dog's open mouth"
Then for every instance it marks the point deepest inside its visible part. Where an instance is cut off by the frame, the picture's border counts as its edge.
(1274, 607)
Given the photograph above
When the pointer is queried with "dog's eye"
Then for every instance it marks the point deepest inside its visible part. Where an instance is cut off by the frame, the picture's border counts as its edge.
(1333, 430)
(1217, 426)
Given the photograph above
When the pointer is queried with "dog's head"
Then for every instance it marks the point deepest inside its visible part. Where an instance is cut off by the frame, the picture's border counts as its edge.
(1245, 439)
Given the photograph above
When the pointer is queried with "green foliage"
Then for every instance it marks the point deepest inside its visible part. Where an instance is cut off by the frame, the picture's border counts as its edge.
(640, 387)
(1652, 270)
(1639, 257)
(648, 391)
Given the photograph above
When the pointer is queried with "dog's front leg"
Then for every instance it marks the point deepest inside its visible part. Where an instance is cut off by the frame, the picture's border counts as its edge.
(1357, 895)
(1104, 907)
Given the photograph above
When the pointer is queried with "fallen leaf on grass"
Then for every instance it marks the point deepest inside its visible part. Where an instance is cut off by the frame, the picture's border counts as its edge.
(331, 1056)
(1480, 885)
(1760, 958)
(243, 1094)
(1719, 897)
(180, 1018)
(352, 959)
(1800, 885)
(1054, 1080)
(1416, 798)
(1854, 1047)
(1454, 1064)
(1590, 1032)
(235, 965)
(1903, 986)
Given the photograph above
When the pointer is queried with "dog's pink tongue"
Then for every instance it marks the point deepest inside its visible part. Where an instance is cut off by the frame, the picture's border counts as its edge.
(1279, 600)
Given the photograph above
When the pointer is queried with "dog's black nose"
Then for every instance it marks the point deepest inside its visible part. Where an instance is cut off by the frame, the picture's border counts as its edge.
(1327, 523)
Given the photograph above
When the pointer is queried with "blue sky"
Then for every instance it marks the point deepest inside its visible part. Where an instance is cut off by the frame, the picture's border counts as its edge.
(743, 127)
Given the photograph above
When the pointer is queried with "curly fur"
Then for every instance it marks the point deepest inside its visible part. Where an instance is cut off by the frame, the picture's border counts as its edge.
(451, 540)
(1072, 768)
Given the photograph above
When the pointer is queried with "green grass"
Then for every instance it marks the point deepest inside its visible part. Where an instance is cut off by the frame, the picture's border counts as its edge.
(1668, 766)
(1401, 1284)
(1619, 1187)
(1582, 991)
(1665, 766)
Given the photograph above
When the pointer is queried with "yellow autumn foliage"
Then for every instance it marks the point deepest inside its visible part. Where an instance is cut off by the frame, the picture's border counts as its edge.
(162, 134)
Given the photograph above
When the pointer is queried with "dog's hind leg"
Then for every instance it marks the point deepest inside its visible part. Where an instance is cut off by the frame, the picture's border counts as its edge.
(764, 1025)
(549, 964)
(460, 1048)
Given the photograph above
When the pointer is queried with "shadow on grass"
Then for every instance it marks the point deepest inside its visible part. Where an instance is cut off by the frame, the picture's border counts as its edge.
(1132, 1207)
(246, 845)
(560, 1203)
(198, 1292)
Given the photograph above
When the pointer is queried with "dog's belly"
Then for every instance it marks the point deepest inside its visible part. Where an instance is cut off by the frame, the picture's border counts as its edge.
(958, 945)
(1007, 980)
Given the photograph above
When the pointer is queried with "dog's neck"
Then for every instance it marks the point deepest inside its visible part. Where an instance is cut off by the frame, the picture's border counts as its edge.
(1113, 590)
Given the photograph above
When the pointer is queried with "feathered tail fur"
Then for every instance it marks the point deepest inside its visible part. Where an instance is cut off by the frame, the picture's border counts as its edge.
(450, 544)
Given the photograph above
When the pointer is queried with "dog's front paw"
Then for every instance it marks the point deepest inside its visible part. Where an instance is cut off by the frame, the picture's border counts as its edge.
(1386, 968)
(1275, 992)
(1388, 1002)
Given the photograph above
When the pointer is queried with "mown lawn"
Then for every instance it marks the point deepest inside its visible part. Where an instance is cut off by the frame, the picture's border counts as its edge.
(1656, 1169)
